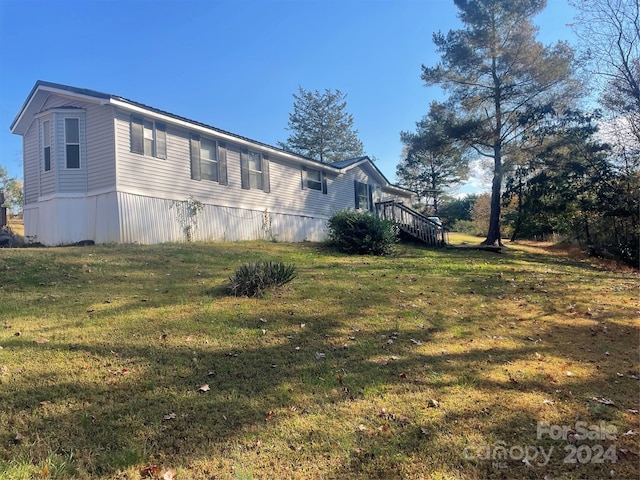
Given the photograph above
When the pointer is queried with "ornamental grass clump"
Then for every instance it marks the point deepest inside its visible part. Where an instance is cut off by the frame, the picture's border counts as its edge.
(251, 280)
(361, 233)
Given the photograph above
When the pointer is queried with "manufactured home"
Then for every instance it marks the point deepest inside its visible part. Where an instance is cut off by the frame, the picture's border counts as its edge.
(104, 168)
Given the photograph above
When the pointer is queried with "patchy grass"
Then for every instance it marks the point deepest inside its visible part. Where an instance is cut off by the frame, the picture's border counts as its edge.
(405, 366)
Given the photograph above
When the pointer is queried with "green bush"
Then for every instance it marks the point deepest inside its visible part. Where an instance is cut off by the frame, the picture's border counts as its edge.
(361, 233)
(253, 279)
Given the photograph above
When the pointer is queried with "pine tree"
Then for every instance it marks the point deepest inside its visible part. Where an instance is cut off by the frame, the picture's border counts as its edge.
(321, 128)
(433, 161)
(494, 70)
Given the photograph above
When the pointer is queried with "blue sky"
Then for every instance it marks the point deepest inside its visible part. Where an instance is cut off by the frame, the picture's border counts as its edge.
(235, 64)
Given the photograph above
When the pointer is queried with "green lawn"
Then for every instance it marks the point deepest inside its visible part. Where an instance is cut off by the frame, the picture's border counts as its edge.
(407, 366)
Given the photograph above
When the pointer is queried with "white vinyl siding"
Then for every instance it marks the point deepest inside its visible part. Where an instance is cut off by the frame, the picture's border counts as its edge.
(31, 155)
(100, 146)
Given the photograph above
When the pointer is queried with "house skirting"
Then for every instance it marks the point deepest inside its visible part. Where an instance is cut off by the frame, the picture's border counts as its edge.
(119, 217)
(66, 219)
(150, 220)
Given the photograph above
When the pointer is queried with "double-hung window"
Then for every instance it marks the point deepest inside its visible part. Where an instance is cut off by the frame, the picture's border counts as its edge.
(313, 179)
(208, 160)
(72, 142)
(148, 138)
(254, 170)
(363, 196)
(46, 142)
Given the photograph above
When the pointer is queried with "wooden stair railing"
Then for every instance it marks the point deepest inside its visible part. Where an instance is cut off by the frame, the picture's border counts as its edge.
(411, 222)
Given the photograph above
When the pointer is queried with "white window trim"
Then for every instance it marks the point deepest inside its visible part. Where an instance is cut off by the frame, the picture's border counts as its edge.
(79, 144)
(154, 137)
(46, 145)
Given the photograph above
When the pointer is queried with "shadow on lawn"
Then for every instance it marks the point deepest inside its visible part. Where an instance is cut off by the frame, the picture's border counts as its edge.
(145, 405)
(121, 421)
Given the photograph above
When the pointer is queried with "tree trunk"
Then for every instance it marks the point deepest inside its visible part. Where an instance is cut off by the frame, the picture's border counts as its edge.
(493, 236)
(516, 230)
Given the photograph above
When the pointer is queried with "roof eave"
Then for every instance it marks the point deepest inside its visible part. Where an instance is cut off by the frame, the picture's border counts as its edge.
(17, 126)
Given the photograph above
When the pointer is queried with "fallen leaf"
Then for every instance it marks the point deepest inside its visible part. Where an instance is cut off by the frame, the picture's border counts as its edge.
(361, 428)
(403, 375)
(432, 403)
(546, 401)
(204, 388)
(415, 342)
(211, 373)
(424, 431)
(169, 416)
(629, 432)
(169, 475)
(320, 355)
(603, 401)
(269, 416)
(18, 438)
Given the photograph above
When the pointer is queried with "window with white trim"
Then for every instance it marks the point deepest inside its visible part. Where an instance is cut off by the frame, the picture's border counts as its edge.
(208, 160)
(314, 179)
(363, 196)
(254, 170)
(72, 142)
(148, 138)
(46, 142)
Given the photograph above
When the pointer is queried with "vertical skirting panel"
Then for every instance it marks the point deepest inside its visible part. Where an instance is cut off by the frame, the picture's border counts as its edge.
(150, 220)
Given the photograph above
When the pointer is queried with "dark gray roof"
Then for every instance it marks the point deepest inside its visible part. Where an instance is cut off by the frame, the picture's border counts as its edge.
(348, 162)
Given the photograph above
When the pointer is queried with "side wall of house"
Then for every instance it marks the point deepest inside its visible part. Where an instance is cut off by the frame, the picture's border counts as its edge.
(148, 185)
(31, 164)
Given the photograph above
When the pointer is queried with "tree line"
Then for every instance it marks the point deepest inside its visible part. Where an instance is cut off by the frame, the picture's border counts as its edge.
(563, 161)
